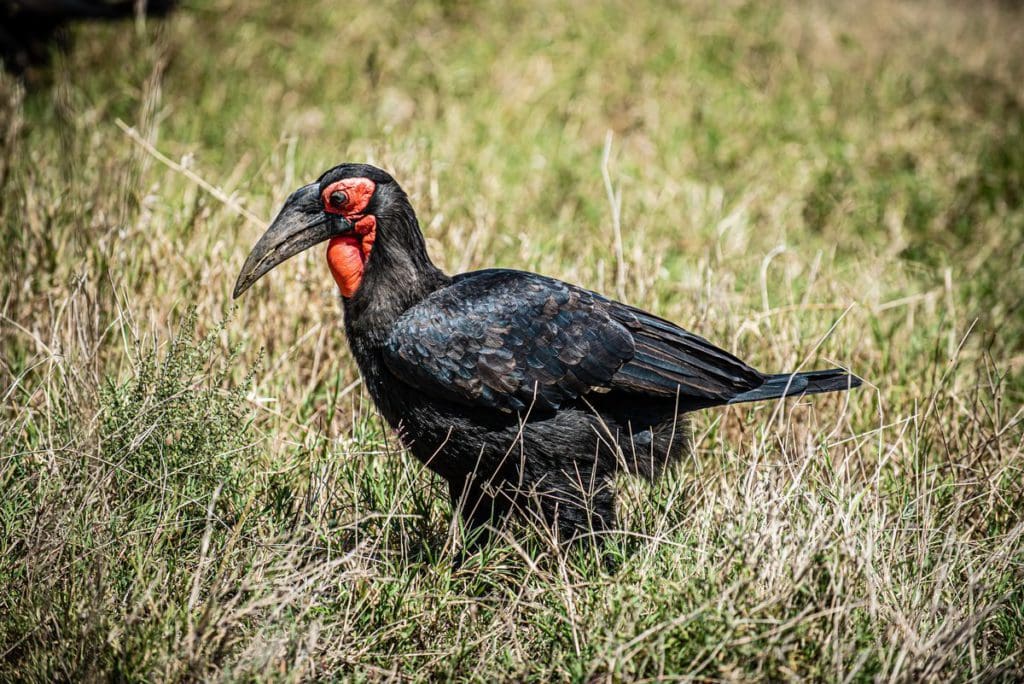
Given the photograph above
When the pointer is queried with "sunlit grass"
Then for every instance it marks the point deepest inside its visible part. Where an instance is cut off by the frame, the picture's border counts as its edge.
(213, 496)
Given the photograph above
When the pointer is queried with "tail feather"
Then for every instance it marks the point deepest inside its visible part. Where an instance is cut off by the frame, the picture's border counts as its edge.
(791, 384)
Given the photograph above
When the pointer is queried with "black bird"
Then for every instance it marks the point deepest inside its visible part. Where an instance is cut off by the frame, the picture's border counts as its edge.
(30, 28)
(525, 393)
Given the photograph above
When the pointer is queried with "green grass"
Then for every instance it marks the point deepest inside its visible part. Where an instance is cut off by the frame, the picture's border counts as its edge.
(188, 491)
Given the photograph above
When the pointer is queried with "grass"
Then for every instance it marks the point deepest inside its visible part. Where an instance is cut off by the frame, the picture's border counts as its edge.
(188, 491)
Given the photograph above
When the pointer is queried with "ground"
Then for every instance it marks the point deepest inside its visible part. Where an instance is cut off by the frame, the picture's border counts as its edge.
(190, 490)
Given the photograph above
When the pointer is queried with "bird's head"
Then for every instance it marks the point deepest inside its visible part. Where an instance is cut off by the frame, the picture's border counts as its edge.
(359, 209)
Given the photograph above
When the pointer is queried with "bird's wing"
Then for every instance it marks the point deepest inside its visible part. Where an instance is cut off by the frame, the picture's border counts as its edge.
(511, 340)
(508, 340)
(672, 362)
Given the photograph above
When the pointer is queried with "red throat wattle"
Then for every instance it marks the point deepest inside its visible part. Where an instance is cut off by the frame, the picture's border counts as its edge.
(347, 255)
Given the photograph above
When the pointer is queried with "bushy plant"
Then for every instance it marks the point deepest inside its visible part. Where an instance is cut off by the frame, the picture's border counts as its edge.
(173, 430)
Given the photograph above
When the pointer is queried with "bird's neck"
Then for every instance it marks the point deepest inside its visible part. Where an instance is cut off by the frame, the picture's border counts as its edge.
(398, 275)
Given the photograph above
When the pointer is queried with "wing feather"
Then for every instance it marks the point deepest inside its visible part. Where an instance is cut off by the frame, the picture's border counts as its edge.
(508, 340)
(511, 340)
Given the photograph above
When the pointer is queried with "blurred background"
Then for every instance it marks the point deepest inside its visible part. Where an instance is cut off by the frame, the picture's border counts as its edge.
(808, 182)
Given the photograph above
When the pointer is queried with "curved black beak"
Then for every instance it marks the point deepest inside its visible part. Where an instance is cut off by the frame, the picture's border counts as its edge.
(301, 224)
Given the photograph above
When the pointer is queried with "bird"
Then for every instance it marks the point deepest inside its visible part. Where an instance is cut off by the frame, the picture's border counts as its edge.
(528, 395)
(29, 29)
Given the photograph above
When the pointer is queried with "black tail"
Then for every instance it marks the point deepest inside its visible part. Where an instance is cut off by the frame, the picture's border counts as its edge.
(790, 384)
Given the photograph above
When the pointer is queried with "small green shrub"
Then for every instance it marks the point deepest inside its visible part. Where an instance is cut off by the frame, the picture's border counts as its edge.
(172, 433)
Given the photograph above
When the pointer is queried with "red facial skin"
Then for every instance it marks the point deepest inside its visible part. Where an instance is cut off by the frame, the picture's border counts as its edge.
(347, 255)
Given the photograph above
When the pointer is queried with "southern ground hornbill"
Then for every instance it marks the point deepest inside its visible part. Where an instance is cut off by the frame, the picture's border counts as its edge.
(525, 393)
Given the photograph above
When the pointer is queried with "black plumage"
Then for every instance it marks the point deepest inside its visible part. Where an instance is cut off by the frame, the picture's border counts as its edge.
(525, 393)
(508, 340)
(30, 29)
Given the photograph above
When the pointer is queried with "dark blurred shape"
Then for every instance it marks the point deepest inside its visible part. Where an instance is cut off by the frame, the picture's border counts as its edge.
(30, 28)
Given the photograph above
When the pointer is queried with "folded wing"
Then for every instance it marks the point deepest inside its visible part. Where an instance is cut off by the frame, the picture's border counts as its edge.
(512, 340)
(508, 340)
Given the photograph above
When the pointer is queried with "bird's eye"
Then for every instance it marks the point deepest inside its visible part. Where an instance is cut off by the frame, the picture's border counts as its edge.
(338, 199)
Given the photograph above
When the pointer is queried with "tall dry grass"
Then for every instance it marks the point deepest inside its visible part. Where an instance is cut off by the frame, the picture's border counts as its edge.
(188, 491)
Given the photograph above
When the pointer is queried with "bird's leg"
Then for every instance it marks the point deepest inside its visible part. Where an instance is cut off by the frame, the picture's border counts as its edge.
(578, 505)
(479, 510)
